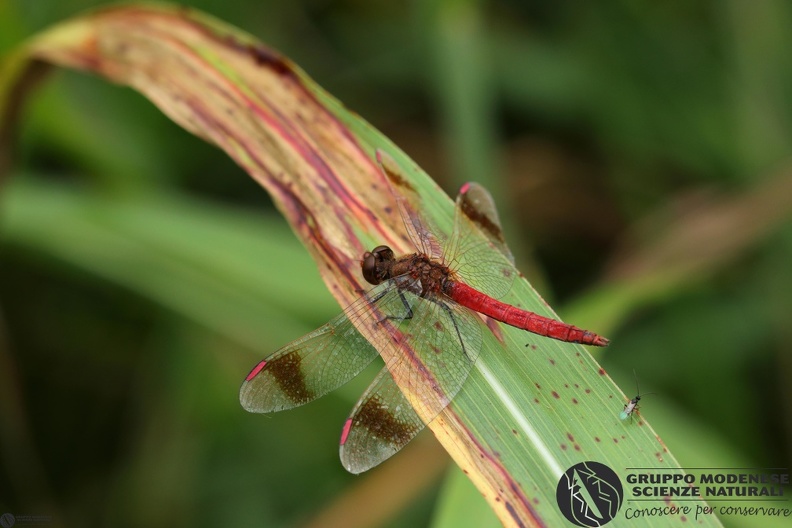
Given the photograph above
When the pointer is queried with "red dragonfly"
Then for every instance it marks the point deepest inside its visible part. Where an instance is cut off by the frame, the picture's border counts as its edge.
(423, 308)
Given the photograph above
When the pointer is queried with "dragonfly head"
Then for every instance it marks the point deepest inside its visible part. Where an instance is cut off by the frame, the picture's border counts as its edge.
(376, 264)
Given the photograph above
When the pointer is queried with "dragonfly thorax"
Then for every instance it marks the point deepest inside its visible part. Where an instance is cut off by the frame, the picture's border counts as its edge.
(380, 265)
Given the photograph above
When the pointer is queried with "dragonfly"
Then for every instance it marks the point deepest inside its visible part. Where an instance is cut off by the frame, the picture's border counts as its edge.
(425, 311)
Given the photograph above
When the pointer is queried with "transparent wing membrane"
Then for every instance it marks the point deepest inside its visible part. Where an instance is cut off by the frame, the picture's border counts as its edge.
(470, 254)
(433, 352)
(382, 422)
(315, 364)
(426, 238)
(475, 203)
(442, 341)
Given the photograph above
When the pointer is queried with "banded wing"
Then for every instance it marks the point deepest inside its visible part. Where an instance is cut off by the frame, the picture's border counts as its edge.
(437, 347)
(382, 422)
(474, 205)
(483, 262)
(318, 362)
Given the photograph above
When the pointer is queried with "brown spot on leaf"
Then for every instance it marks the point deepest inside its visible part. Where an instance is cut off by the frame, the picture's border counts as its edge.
(396, 179)
(496, 330)
(262, 55)
(266, 57)
(555, 395)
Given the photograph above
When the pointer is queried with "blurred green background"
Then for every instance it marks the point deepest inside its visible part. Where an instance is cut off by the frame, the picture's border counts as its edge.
(640, 156)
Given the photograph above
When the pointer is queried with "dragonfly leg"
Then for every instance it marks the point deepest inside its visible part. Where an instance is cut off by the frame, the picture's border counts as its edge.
(408, 310)
(450, 313)
(407, 314)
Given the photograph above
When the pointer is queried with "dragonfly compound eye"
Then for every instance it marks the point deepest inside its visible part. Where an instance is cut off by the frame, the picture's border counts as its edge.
(376, 264)
(369, 265)
(383, 253)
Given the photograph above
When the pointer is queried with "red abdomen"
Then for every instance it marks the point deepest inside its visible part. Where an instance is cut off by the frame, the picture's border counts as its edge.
(511, 315)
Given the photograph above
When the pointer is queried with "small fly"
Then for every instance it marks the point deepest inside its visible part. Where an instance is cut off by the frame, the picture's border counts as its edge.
(632, 405)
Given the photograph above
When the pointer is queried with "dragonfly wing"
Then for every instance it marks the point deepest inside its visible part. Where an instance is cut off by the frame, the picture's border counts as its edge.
(446, 340)
(422, 233)
(318, 362)
(483, 262)
(382, 422)
(474, 203)
(432, 351)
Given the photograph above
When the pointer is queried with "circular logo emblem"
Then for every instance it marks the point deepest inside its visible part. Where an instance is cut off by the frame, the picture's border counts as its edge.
(589, 494)
(7, 520)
